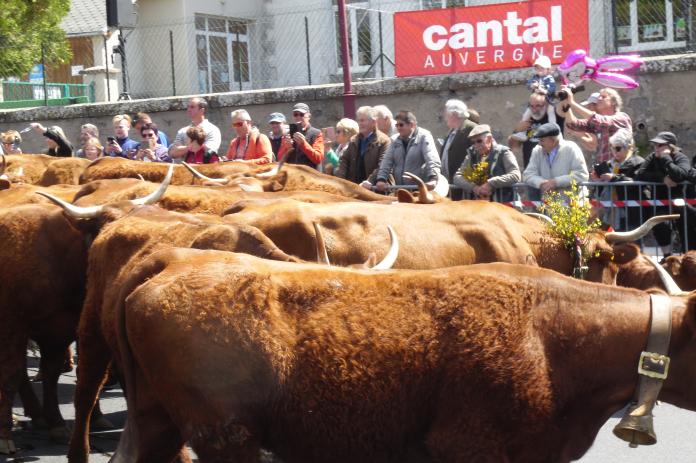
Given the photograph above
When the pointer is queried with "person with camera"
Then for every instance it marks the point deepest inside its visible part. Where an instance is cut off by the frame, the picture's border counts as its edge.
(303, 144)
(361, 159)
(10, 142)
(669, 166)
(603, 122)
(58, 144)
(249, 145)
(344, 132)
(121, 145)
(555, 163)
(525, 131)
(144, 118)
(501, 171)
(412, 151)
(150, 150)
(621, 168)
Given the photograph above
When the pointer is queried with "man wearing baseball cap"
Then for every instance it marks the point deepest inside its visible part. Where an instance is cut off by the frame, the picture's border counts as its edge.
(307, 144)
(555, 162)
(669, 166)
(278, 127)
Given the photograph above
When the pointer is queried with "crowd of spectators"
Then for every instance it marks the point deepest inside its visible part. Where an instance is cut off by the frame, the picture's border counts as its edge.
(556, 142)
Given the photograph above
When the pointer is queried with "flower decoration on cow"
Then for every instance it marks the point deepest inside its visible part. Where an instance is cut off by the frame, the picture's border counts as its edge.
(610, 71)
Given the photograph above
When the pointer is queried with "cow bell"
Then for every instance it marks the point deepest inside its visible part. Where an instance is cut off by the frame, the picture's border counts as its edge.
(636, 430)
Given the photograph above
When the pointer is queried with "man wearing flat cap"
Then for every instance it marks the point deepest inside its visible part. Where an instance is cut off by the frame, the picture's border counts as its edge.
(307, 144)
(555, 162)
(501, 171)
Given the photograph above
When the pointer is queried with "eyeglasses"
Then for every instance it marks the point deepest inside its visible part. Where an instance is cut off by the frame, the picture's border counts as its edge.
(298, 114)
(618, 148)
(149, 135)
(238, 124)
(478, 141)
(401, 124)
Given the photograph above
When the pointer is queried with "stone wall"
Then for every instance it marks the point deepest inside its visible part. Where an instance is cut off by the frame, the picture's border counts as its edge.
(666, 100)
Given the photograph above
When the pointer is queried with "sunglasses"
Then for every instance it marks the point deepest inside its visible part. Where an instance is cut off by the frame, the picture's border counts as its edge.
(401, 124)
(479, 141)
(149, 135)
(617, 148)
(298, 114)
(238, 124)
(660, 145)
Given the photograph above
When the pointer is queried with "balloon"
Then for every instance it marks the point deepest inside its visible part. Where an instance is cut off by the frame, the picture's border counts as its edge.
(608, 71)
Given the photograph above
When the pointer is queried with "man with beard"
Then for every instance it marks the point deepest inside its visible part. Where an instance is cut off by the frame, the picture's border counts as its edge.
(539, 109)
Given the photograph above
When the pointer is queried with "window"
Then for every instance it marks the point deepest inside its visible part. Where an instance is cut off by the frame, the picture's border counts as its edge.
(643, 25)
(433, 4)
(359, 35)
(222, 50)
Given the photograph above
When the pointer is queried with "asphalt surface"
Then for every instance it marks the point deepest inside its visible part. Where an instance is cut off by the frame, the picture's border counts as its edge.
(675, 429)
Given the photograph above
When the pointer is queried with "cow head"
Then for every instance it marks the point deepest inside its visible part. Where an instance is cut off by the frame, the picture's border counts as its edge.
(683, 270)
(98, 215)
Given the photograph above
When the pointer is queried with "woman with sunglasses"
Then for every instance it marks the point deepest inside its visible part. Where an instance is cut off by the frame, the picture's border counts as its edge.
(10, 142)
(621, 168)
(250, 145)
(345, 130)
(668, 166)
(150, 150)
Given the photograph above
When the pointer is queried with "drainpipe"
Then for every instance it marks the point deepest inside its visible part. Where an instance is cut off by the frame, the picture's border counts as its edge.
(348, 94)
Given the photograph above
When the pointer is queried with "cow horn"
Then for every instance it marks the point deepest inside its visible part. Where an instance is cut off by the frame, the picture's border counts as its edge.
(273, 172)
(4, 164)
(390, 258)
(155, 196)
(140, 177)
(77, 212)
(322, 255)
(424, 196)
(542, 217)
(203, 177)
(671, 286)
(638, 233)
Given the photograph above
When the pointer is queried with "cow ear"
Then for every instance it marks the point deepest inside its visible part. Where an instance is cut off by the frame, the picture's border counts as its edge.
(673, 265)
(625, 253)
(278, 182)
(404, 196)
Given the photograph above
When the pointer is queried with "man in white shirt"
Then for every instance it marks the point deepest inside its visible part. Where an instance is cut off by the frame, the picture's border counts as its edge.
(196, 111)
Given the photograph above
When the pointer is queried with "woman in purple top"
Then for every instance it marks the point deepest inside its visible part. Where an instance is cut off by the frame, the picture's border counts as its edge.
(150, 150)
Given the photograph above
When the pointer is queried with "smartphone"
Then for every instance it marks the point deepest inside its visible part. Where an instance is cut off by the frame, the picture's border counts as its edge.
(151, 143)
(111, 139)
(294, 128)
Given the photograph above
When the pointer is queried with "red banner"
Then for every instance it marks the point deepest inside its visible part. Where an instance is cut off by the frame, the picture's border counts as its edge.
(482, 38)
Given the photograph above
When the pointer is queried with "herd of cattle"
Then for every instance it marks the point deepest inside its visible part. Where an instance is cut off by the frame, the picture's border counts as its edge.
(203, 295)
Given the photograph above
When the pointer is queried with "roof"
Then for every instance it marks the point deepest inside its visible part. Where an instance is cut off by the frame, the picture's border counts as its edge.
(86, 17)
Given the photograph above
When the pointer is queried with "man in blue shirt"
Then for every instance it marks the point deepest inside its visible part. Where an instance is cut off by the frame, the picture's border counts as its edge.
(121, 145)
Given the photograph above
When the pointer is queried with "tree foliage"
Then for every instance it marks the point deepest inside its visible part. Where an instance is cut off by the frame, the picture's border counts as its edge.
(24, 26)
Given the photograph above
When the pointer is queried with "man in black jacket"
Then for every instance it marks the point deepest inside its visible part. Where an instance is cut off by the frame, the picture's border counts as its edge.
(307, 144)
(454, 148)
(667, 165)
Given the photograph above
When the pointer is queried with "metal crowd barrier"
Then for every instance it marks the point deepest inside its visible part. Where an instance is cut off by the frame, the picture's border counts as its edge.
(622, 205)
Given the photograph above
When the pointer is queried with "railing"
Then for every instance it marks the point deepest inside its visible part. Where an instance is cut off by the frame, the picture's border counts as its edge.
(28, 94)
(623, 205)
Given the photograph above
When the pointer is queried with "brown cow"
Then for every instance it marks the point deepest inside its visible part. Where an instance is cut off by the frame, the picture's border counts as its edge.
(641, 273)
(485, 363)
(460, 233)
(124, 236)
(283, 177)
(114, 167)
(43, 276)
(39, 169)
(19, 194)
(189, 198)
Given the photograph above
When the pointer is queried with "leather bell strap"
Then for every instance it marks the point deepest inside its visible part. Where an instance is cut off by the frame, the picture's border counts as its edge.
(653, 365)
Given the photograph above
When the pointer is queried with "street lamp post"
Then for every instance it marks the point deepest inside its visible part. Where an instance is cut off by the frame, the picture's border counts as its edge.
(348, 94)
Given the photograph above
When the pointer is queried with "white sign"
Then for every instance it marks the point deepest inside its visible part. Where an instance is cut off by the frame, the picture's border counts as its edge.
(75, 70)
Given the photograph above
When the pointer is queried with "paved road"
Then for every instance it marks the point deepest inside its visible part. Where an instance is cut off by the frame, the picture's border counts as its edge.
(675, 430)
